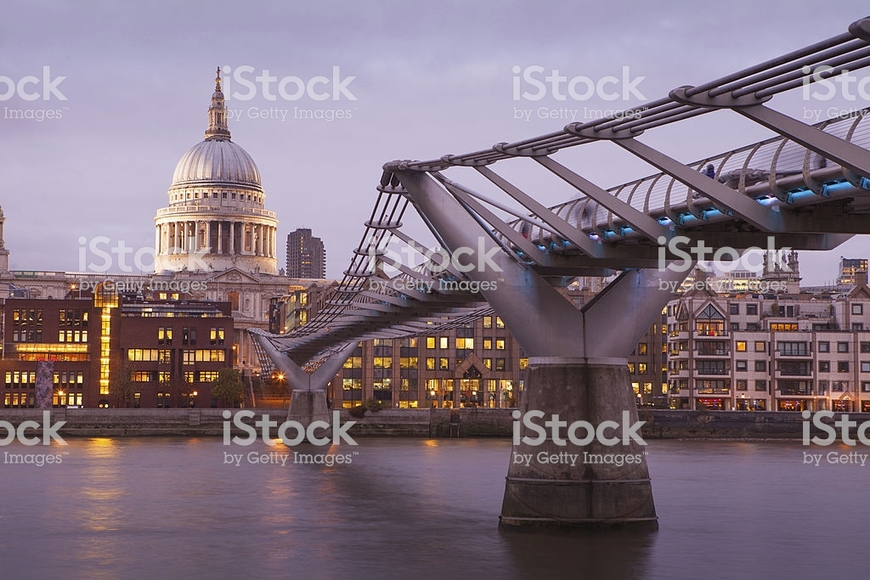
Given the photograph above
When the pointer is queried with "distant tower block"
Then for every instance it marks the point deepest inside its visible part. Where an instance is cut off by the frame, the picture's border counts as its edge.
(306, 256)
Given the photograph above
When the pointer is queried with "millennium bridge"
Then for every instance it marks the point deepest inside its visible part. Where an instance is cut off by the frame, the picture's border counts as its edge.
(501, 250)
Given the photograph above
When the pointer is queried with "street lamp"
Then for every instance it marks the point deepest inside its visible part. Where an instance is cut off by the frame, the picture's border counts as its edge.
(432, 398)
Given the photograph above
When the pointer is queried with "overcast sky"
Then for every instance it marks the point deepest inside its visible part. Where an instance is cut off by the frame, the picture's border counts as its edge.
(429, 79)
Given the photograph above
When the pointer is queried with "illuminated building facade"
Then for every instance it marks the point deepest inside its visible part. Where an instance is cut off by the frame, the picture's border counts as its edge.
(774, 352)
(476, 365)
(108, 350)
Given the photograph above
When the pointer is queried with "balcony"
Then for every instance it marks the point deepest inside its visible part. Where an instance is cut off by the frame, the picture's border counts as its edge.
(710, 333)
(714, 391)
(800, 391)
(794, 373)
(701, 351)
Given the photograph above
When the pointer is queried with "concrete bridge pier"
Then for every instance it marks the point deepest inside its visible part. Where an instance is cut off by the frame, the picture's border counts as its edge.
(589, 470)
(569, 485)
(308, 397)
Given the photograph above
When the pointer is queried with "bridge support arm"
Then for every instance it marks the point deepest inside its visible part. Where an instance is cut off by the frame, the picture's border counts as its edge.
(577, 371)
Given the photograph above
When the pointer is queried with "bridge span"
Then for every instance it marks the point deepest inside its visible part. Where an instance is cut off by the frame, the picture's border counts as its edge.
(502, 250)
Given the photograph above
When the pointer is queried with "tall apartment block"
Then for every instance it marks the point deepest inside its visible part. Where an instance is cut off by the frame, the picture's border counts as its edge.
(306, 256)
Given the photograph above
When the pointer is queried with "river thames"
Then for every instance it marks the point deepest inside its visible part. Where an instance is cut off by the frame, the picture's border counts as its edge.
(411, 508)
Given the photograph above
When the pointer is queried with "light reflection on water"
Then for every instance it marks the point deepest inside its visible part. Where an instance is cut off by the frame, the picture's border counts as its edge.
(410, 508)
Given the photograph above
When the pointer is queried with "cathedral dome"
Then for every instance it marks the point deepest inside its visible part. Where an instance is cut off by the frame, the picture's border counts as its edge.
(216, 218)
(216, 161)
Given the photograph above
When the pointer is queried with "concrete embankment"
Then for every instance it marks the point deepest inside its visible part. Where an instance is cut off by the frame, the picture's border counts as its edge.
(660, 423)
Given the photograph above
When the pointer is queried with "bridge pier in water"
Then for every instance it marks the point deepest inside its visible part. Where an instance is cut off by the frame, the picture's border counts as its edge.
(575, 486)
(308, 397)
(577, 370)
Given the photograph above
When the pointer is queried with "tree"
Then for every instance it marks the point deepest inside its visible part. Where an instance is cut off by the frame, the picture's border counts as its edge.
(181, 389)
(228, 388)
(121, 384)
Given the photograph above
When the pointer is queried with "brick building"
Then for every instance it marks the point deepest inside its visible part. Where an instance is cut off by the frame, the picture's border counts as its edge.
(107, 350)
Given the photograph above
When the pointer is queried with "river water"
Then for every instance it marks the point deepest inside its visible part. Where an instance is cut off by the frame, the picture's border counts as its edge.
(411, 508)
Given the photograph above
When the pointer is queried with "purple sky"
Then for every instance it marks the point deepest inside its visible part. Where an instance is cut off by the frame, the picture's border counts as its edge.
(429, 80)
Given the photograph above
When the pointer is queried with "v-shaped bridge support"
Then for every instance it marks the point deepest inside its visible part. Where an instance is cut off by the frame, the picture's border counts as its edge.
(308, 397)
(577, 374)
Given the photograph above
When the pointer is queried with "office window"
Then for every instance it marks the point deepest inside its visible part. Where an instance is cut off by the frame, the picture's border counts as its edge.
(487, 321)
(741, 365)
(824, 366)
(443, 364)
(499, 344)
(825, 346)
(760, 365)
(734, 308)
(857, 308)
(442, 342)
(741, 346)
(430, 363)
(760, 346)
(842, 366)
(842, 347)
(752, 309)
(761, 386)
(487, 344)
(430, 342)
(741, 384)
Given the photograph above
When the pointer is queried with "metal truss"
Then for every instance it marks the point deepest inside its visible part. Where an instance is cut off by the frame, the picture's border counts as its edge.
(808, 188)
